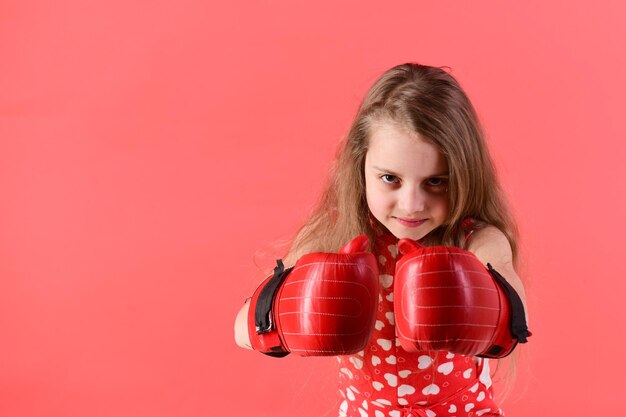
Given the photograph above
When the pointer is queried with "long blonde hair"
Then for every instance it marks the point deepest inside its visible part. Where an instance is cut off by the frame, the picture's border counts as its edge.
(430, 102)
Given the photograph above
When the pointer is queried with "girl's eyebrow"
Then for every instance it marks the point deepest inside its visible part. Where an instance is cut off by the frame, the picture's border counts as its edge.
(390, 172)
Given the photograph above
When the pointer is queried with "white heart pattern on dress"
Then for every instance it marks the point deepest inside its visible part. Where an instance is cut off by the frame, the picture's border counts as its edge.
(393, 250)
(392, 380)
(347, 372)
(358, 363)
(384, 343)
(350, 394)
(445, 368)
(386, 280)
(377, 385)
(405, 390)
(431, 389)
(390, 318)
(375, 360)
(452, 408)
(424, 362)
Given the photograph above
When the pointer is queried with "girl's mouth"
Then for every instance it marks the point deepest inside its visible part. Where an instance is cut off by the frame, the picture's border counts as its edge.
(410, 222)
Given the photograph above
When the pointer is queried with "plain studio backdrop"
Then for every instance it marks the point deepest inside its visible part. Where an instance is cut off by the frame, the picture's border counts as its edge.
(149, 150)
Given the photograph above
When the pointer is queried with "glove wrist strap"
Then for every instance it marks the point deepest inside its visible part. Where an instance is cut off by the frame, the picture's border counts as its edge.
(263, 317)
(518, 329)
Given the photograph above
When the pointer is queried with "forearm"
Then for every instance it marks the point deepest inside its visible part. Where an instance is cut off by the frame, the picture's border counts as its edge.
(241, 327)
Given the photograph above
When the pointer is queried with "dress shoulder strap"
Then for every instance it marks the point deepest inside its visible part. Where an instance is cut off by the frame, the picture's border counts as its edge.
(468, 226)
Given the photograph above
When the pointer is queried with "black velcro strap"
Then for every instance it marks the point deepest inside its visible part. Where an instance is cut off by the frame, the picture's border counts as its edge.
(263, 311)
(281, 354)
(493, 352)
(519, 328)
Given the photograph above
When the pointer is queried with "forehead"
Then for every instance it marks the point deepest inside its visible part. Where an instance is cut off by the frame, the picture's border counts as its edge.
(395, 148)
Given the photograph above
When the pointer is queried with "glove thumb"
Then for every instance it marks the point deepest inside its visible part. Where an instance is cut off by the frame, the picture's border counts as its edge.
(358, 244)
(406, 246)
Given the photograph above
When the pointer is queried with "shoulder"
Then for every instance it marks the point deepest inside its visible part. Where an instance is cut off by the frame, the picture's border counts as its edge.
(491, 245)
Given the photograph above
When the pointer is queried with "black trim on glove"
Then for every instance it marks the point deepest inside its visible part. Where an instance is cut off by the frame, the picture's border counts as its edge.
(519, 328)
(263, 309)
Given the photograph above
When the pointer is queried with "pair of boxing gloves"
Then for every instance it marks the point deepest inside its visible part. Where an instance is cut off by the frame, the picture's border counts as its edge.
(445, 299)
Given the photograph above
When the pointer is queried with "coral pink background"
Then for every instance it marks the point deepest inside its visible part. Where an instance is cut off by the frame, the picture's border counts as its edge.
(149, 148)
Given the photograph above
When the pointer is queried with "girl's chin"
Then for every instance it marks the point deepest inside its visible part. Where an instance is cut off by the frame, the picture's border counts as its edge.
(408, 234)
(416, 234)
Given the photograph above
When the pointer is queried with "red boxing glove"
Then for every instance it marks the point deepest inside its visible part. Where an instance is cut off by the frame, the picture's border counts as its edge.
(325, 305)
(445, 299)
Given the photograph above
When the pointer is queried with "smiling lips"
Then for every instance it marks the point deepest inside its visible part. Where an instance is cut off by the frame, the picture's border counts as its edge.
(410, 222)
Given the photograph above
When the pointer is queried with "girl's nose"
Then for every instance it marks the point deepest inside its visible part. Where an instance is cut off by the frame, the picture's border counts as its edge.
(412, 200)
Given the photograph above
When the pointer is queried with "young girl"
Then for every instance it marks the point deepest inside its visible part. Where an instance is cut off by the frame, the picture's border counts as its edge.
(413, 165)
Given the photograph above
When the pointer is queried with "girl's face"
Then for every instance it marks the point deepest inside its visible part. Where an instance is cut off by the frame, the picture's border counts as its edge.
(406, 181)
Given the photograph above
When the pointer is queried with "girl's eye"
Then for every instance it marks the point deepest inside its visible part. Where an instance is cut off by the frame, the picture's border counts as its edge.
(389, 179)
(435, 182)
(437, 185)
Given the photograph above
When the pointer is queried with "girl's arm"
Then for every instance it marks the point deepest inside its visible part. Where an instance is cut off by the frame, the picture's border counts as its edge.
(241, 327)
(490, 245)
(241, 321)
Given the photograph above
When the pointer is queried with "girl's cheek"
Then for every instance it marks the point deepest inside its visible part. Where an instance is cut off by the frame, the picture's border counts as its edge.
(444, 207)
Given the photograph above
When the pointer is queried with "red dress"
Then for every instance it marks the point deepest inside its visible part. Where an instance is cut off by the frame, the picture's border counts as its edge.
(384, 380)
